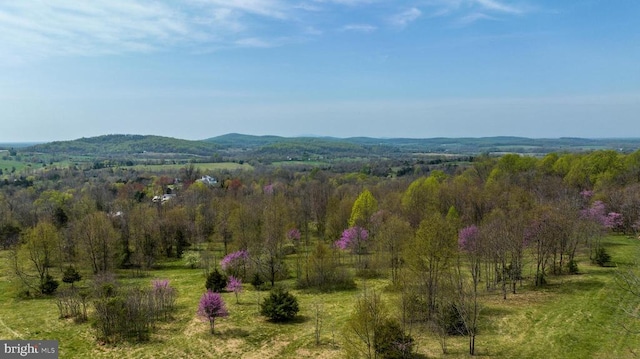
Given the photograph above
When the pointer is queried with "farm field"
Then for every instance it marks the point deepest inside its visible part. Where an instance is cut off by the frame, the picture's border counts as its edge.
(574, 316)
(213, 166)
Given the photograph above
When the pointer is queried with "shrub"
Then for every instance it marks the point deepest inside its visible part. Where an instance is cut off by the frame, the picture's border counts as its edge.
(280, 305)
(257, 281)
(49, 285)
(68, 303)
(541, 279)
(453, 321)
(572, 266)
(71, 276)
(192, 259)
(216, 282)
(390, 341)
(163, 296)
(128, 315)
(602, 257)
(323, 271)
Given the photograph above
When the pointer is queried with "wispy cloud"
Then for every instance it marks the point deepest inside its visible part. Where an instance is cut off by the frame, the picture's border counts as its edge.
(269, 8)
(67, 27)
(499, 7)
(406, 17)
(43, 28)
(467, 12)
(255, 42)
(472, 18)
(359, 28)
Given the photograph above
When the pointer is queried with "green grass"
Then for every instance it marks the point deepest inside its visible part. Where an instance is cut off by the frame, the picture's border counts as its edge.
(7, 165)
(573, 317)
(229, 166)
(300, 163)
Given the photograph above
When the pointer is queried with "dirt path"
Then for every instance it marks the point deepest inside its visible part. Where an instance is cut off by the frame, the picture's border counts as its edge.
(15, 334)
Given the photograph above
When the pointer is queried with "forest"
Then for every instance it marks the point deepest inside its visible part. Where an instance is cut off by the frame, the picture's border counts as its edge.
(327, 261)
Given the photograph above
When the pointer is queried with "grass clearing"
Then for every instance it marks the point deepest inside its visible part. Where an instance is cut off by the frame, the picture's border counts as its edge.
(213, 166)
(573, 317)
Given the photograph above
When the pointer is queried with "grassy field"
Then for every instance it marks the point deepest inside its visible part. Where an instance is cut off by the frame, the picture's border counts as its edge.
(8, 165)
(217, 166)
(573, 317)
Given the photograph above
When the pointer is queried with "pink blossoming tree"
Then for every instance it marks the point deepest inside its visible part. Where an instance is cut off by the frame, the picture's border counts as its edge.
(211, 307)
(235, 286)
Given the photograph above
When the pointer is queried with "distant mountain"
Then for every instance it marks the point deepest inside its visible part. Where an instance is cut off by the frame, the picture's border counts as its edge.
(300, 146)
(236, 146)
(467, 145)
(244, 141)
(126, 145)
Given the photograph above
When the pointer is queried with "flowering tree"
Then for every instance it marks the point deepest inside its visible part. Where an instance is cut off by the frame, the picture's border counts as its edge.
(294, 235)
(211, 307)
(234, 264)
(353, 238)
(613, 221)
(235, 286)
(598, 216)
(469, 242)
(468, 238)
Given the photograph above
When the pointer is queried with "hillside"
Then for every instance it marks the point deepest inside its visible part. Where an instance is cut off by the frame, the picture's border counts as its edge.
(126, 145)
(269, 149)
(320, 145)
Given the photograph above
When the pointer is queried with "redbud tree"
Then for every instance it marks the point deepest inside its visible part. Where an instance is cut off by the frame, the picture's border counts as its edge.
(211, 307)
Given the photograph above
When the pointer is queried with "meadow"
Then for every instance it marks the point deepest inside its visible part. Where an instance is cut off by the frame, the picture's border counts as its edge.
(574, 316)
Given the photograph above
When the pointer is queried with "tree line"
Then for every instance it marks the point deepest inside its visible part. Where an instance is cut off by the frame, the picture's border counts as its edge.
(441, 238)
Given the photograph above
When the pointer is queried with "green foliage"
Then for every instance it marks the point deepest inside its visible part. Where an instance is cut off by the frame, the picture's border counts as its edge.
(129, 314)
(257, 281)
(453, 321)
(572, 267)
(127, 144)
(369, 313)
(421, 197)
(363, 208)
(390, 341)
(191, 259)
(323, 271)
(216, 281)
(602, 257)
(71, 275)
(280, 305)
(49, 285)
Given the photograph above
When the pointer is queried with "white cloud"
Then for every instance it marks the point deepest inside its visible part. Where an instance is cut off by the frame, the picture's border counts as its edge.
(498, 6)
(470, 11)
(359, 28)
(101, 27)
(269, 8)
(406, 17)
(348, 2)
(472, 18)
(42, 28)
(254, 42)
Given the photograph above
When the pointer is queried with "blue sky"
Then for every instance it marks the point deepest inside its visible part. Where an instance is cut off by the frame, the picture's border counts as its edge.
(195, 69)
